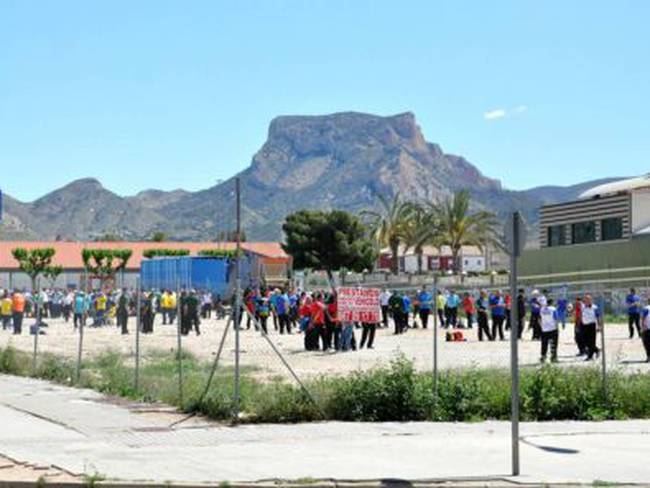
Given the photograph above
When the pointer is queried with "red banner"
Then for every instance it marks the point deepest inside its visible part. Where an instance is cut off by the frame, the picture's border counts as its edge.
(359, 305)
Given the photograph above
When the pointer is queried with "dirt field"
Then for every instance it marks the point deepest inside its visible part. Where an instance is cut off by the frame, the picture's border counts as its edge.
(416, 344)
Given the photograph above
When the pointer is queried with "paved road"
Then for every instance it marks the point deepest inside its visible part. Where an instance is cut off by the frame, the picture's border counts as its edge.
(81, 431)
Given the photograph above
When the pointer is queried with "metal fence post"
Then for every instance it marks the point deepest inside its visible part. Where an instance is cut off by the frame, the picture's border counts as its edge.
(237, 302)
(81, 344)
(514, 340)
(179, 345)
(603, 355)
(37, 327)
(435, 340)
(137, 333)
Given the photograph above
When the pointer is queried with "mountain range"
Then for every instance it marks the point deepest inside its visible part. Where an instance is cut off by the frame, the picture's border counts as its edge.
(341, 161)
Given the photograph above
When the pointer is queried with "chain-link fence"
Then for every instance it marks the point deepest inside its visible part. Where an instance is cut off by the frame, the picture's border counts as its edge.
(184, 348)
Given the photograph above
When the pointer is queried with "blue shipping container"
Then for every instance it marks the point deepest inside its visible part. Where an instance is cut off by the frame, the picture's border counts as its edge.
(199, 273)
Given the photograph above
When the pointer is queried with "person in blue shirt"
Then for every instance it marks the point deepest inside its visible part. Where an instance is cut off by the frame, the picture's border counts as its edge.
(561, 310)
(80, 309)
(426, 302)
(498, 309)
(453, 300)
(406, 310)
(633, 302)
(282, 308)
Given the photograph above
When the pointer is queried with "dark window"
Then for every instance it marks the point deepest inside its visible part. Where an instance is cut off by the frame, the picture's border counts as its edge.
(612, 228)
(583, 232)
(556, 236)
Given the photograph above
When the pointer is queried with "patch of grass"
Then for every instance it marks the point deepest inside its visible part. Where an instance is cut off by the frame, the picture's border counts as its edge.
(395, 392)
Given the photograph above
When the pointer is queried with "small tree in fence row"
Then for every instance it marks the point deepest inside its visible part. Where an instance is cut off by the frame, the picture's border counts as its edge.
(219, 253)
(158, 253)
(105, 263)
(51, 273)
(34, 262)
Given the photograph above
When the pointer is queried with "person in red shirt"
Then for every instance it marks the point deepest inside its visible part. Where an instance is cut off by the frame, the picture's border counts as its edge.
(578, 335)
(508, 301)
(468, 308)
(332, 326)
(317, 329)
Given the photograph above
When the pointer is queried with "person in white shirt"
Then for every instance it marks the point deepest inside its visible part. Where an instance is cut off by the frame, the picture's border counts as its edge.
(591, 321)
(384, 296)
(645, 331)
(550, 332)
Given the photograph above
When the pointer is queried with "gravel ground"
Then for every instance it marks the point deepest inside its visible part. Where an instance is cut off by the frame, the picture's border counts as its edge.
(416, 344)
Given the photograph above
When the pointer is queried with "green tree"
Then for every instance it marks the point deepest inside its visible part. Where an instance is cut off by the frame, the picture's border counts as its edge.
(155, 253)
(158, 237)
(105, 263)
(51, 273)
(328, 241)
(389, 225)
(219, 253)
(34, 262)
(460, 227)
(422, 229)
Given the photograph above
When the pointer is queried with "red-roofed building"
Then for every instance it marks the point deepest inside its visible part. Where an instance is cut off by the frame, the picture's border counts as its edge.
(276, 264)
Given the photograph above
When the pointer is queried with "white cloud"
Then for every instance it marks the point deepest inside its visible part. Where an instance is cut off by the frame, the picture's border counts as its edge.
(497, 113)
(501, 113)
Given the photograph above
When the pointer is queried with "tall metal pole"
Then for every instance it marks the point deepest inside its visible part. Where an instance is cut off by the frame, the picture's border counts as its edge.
(37, 327)
(435, 340)
(138, 304)
(601, 305)
(236, 399)
(514, 341)
(178, 340)
(237, 299)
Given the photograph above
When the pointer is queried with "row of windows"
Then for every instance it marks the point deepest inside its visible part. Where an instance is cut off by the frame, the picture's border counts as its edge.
(582, 232)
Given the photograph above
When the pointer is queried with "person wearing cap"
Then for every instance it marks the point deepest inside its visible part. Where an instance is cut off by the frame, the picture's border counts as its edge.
(591, 317)
(550, 332)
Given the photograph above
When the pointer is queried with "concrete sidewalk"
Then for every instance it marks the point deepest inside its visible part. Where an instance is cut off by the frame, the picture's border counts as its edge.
(80, 431)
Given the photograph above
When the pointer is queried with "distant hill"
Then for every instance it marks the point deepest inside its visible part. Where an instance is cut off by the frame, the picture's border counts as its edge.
(331, 161)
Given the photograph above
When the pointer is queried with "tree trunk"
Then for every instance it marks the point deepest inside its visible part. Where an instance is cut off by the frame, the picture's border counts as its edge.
(455, 265)
(419, 255)
(394, 249)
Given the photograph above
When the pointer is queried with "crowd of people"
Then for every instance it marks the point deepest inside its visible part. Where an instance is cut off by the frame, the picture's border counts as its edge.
(315, 314)
(98, 308)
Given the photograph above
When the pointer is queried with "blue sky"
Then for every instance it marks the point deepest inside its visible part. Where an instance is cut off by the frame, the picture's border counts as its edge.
(162, 94)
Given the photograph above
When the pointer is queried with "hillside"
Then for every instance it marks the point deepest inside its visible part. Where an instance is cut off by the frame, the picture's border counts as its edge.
(332, 161)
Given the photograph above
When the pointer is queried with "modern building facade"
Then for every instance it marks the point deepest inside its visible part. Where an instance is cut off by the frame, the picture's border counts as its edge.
(604, 235)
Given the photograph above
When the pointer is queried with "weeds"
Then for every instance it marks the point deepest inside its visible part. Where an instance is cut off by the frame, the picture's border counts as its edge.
(392, 393)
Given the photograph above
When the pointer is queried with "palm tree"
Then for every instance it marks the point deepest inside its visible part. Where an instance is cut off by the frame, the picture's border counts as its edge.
(423, 229)
(459, 227)
(389, 225)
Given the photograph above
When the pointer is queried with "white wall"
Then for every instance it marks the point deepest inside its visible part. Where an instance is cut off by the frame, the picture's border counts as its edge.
(640, 210)
(473, 263)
